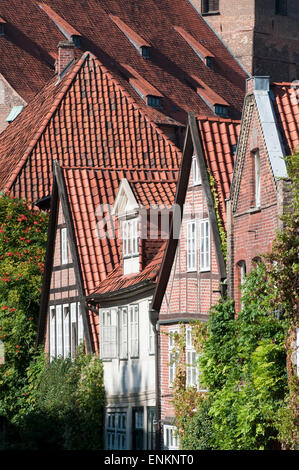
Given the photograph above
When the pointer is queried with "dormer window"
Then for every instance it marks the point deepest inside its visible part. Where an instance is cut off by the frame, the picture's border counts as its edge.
(146, 52)
(200, 50)
(195, 171)
(209, 62)
(154, 101)
(281, 7)
(209, 6)
(221, 110)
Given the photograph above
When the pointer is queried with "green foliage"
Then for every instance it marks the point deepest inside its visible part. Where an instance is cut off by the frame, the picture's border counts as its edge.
(66, 406)
(22, 249)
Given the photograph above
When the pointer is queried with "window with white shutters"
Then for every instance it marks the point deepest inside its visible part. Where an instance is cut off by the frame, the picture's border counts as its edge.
(195, 171)
(80, 326)
(192, 377)
(130, 237)
(191, 245)
(108, 339)
(52, 332)
(134, 330)
(64, 246)
(151, 339)
(209, 6)
(297, 350)
(59, 331)
(172, 355)
(257, 179)
(171, 440)
(66, 331)
(123, 332)
(205, 245)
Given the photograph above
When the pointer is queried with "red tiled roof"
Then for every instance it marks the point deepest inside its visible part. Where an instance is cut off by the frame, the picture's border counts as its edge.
(32, 36)
(117, 281)
(219, 137)
(88, 119)
(87, 188)
(287, 111)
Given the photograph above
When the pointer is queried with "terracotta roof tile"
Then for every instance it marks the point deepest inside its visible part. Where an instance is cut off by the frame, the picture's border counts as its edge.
(219, 139)
(100, 256)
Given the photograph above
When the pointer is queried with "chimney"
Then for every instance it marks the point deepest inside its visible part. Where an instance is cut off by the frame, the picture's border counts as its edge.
(66, 53)
(257, 84)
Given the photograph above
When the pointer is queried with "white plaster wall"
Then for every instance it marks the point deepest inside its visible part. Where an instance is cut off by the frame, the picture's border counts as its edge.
(126, 376)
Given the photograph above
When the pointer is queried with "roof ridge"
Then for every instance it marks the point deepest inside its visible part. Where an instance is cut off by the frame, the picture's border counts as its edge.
(68, 81)
(202, 117)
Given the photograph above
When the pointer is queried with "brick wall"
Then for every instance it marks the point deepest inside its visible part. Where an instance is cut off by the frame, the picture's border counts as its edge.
(253, 229)
(264, 42)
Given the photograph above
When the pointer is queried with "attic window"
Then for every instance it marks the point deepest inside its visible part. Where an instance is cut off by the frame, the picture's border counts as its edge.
(200, 50)
(14, 112)
(221, 110)
(154, 101)
(146, 52)
(281, 7)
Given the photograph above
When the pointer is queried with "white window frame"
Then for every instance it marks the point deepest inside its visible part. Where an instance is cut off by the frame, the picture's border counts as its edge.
(108, 337)
(172, 355)
(52, 312)
(192, 372)
(257, 178)
(66, 330)
(123, 332)
(130, 239)
(134, 330)
(64, 246)
(59, 331)
(195, 171)
(205, 245)
(191, 245)
(151, 339)
(170, 437)
(80, 325)
(297, 350)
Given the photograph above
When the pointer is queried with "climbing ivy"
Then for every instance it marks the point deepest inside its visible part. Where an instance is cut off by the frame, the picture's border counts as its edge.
(219, 219)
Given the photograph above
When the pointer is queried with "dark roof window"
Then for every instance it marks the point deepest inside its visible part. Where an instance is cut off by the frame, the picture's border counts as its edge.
(209, 6)
(221, 110)
(2, 26)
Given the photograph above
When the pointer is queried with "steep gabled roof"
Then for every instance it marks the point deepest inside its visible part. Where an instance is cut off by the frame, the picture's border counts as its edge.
(29, 48)
(87, 119)
(88, 189)
(286, 97)
(213, 142)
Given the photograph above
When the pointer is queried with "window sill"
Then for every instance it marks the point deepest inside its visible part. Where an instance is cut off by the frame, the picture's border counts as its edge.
(192, 270)
(196, 184)
(210, 13)
(206, 270)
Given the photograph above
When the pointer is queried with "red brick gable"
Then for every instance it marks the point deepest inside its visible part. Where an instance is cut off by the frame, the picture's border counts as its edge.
(286, 97)
(87, 119)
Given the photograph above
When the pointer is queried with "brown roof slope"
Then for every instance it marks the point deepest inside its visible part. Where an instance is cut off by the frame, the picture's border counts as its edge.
(88, 119)
(87, 189)
(28, 49)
